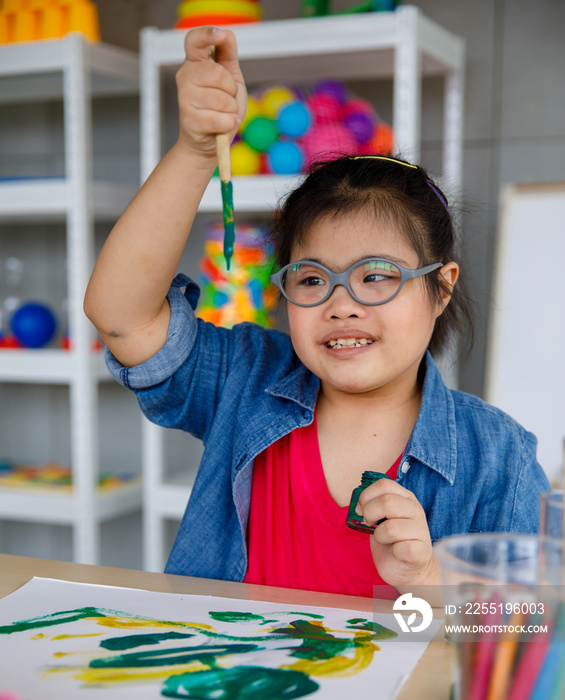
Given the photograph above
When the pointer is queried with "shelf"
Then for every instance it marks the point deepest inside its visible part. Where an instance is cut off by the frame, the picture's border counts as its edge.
(47, 367)
(34, 71)
(51, 200)
(47, 506)
(308, 48)
(72, 71)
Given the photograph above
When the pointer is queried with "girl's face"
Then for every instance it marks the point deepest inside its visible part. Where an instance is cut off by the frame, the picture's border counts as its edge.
(400, 330)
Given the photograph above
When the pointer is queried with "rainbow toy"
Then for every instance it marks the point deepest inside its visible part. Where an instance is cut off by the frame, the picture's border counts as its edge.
(53, 475)
(244, 293)
(34, 20)
(195, 13)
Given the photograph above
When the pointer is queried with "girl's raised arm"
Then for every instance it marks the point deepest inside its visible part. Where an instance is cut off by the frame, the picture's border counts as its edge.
(126, 295)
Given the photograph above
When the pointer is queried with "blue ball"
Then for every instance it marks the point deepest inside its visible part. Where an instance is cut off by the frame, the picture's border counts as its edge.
(33, 324)
(294, 120)
(285, 158)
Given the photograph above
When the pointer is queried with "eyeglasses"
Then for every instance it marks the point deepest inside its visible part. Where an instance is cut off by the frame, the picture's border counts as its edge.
(371, 281)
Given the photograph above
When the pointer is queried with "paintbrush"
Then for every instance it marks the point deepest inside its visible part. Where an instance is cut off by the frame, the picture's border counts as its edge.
(224, 167)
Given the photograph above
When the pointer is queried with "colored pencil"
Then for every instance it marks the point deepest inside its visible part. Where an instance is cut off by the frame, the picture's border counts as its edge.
(549, 685)
(486, 648)
(504, 661)
(529, 666)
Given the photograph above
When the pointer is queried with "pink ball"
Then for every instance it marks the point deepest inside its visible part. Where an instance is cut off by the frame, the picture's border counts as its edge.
(328, 141)
(361, 125)
(324, 108)
(358, 104)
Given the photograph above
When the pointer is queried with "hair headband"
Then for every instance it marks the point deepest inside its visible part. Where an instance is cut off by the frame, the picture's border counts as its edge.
(413, 167)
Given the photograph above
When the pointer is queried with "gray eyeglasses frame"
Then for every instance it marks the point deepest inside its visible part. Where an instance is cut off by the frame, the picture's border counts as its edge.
(343, 278)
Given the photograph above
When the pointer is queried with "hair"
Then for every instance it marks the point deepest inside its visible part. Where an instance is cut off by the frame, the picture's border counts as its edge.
(394, 191)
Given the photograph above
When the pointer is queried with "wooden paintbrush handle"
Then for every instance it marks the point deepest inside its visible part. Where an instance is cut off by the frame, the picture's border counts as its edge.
(223, 151)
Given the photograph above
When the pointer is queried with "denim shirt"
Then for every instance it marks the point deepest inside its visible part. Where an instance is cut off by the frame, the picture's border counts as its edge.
(471, 466)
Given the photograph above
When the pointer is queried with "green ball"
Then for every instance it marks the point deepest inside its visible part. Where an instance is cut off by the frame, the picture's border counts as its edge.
(260, 133)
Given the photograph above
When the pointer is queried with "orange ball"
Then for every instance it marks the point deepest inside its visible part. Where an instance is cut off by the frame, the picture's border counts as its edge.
(381, 142)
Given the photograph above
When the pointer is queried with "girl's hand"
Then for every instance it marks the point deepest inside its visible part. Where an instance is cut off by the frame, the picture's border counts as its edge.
(401, 544)
(211, 91)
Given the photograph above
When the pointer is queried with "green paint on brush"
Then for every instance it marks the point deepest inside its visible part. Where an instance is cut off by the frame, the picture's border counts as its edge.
(240, 683)
(229, 226)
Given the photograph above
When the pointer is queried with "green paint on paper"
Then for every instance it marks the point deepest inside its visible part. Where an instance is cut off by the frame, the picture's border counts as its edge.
(317, 643)
(59, 618)
(381, 632)
(138, 640)
(364, 625)
(230, 616)
(229, 226)
(240, 683)
(313, 650)
(206, 654)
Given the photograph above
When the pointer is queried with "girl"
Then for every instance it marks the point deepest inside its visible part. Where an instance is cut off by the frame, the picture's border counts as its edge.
(366, 264)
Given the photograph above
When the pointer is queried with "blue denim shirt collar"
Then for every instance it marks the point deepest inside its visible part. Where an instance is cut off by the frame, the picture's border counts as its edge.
(300, 386)
(433, 441)
(434, 438)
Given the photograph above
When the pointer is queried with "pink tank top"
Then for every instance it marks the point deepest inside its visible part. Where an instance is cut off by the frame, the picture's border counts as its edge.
(297, 536)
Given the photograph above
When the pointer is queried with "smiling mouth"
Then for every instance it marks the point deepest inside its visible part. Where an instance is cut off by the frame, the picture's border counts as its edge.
(348, 343)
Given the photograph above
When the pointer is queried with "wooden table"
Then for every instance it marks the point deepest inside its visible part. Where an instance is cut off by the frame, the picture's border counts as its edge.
(430, 680)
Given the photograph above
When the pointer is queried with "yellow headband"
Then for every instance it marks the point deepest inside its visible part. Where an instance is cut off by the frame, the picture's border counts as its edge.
(390, 160)
(414, 167)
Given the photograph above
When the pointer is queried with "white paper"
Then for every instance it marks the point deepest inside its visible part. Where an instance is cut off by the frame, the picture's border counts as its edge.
(191, 647)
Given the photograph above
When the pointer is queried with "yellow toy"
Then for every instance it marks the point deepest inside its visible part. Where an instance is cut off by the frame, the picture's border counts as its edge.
(33, 20)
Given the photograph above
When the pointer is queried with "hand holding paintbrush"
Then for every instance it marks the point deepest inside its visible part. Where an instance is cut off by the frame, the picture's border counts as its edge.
(146, 244)
(226, 82)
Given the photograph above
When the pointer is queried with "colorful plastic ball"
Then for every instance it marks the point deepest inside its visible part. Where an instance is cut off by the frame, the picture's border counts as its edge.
(244, 159)
(33, 324)
(325, 108)
(361, 125)
(327, 142)
(294, 120)
(358, 104)
(260, 133)
(254, 109)
(381, 142)
(285, 158)
(275, 98)
(334, 88)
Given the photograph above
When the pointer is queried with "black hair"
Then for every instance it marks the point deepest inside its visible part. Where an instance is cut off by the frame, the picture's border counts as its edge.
(396, 191)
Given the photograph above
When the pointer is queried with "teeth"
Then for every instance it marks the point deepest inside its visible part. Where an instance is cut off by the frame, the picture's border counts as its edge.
(348, 343)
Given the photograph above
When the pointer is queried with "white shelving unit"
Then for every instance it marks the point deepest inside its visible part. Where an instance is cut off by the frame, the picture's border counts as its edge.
(402, 45)
(72, 70)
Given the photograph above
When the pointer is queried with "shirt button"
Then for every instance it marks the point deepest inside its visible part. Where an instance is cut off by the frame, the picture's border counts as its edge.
(405, 467)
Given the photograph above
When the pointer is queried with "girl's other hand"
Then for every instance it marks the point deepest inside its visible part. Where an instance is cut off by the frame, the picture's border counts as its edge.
(211, 91)
(401, 544)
